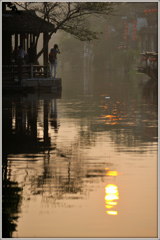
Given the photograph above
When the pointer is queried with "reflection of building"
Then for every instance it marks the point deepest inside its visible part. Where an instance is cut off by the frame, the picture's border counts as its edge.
(127, 120)
(88, 55)
(11, 199)
(21, 126)
(150, 92)
(24, 137)
(88, 60)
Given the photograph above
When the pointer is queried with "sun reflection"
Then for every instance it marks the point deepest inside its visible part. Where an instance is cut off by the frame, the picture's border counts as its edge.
(112, 212)
(112, 203)
(111, 197)
(112, 173)
(111, 194)
(108, 206)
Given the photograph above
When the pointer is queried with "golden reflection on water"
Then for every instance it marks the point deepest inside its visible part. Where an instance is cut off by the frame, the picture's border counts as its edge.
(112, 212)
(112, 173)
(62, 172)
(111, 194)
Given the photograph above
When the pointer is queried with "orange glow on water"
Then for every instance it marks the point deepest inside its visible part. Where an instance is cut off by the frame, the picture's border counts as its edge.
(108, 206)
(108, 116)
(112, 212)
(111, 196)
(112, 203)
(111, 187)
(111, 192)
(112, 173)
(115, 115)
(113, 123)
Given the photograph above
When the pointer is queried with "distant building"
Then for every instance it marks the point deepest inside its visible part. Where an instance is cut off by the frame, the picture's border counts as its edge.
(149, 39)
(149, 32)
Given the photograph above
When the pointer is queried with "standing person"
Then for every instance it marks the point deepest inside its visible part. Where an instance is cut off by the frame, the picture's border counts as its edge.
(32, 56)
(54, 50)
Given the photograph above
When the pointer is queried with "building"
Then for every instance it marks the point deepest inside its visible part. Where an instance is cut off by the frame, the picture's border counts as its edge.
(21, 27)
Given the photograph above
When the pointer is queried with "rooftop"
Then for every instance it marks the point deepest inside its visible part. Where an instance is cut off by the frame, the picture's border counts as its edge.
(24, 22)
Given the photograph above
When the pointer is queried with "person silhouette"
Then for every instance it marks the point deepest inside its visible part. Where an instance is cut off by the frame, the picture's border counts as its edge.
(54, 50)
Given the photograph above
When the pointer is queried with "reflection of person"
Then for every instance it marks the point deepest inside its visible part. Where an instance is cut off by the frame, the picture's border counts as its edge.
(55, 50)
(54, 116)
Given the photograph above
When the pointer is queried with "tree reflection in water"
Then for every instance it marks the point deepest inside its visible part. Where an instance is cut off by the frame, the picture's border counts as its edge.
(20, 143)
(11, 200)
(57, 170)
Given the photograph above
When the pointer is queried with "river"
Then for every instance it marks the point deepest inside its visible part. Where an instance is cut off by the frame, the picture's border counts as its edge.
(83, 162)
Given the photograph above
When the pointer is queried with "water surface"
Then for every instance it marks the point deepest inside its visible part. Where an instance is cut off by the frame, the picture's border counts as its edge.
(82, 163)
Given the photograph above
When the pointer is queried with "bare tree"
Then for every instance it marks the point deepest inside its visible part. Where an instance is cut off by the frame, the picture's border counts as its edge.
(71, 17)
